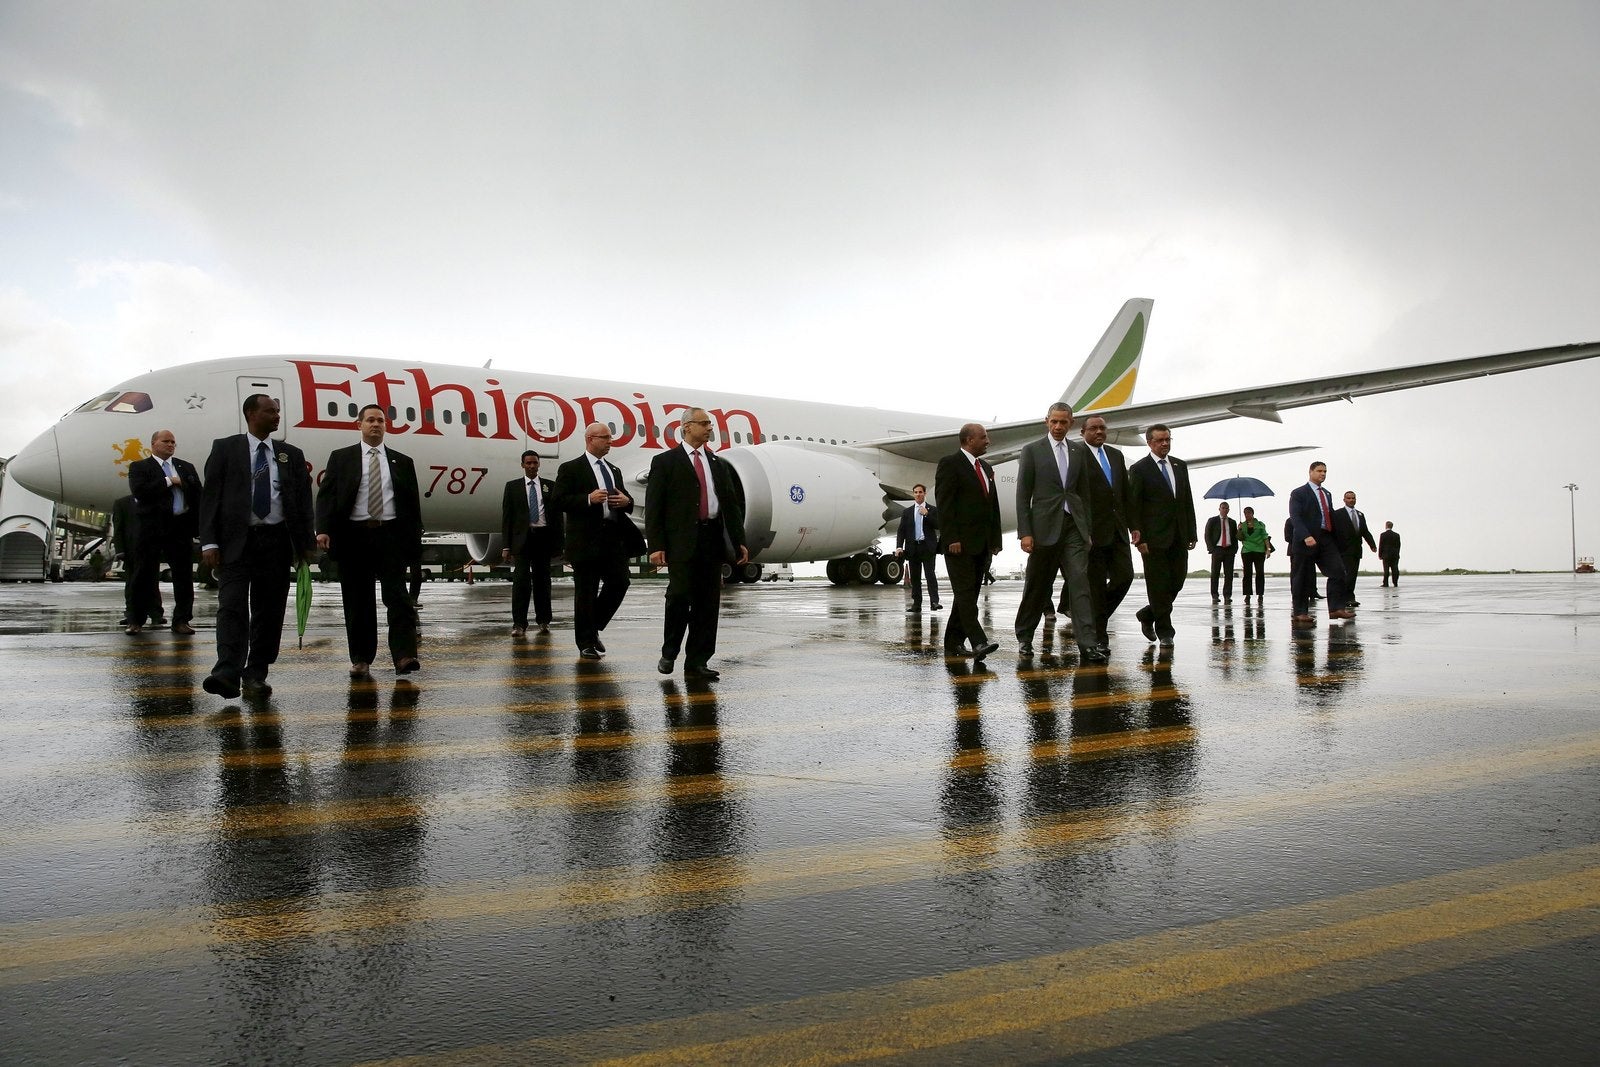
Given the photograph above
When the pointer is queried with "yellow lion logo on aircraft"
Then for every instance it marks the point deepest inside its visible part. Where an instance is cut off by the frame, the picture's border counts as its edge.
(130, 451)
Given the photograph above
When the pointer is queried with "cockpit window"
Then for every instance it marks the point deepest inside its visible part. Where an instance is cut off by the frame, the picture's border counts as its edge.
(131, 403)
(96, 404)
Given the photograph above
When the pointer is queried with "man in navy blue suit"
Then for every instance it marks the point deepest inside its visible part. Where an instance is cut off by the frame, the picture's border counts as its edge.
(1311, 513)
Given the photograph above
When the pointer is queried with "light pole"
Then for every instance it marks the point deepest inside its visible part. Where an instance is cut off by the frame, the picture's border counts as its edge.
(1572, 506)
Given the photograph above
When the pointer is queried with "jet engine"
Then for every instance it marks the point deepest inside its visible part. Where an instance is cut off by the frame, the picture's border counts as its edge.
(484, 548)
(803, 505)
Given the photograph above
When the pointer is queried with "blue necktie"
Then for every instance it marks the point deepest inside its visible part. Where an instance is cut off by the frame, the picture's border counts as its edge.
(261, 484)
(533, 504)
(1104, 466)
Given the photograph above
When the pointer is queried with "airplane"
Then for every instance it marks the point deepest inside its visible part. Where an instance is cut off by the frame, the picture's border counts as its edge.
(822, 481)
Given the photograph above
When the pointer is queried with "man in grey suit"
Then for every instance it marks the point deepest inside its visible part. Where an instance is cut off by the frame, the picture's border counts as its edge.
(1054, 528)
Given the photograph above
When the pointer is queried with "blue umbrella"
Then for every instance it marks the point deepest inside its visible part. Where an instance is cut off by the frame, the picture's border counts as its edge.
(1238, 487)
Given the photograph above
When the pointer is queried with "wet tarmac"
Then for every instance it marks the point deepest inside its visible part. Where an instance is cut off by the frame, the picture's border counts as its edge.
(1356, 843)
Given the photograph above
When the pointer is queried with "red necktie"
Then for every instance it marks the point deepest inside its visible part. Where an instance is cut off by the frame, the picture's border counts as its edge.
(1327, 517)
(705, 497)
(982, 481)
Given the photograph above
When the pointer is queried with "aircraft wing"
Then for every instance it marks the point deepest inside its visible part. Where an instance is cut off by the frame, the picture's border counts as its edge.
(1125, 424)
(1267, 401)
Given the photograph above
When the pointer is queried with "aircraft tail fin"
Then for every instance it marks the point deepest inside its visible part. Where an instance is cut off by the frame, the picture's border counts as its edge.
(1107, 377)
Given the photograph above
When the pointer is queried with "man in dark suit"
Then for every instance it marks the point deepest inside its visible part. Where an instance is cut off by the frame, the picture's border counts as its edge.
(1161, 526)
(255, 518)
(531, 530)
(1389, 553)
(369, 520)
(1110, 559)
(124, 539)
(917, 542)
(1311, 514)
(694, 516)
(1349, 530)
(1222, 542)
(166, 495)
(600, 537)
(1055, 530)
(969, 533)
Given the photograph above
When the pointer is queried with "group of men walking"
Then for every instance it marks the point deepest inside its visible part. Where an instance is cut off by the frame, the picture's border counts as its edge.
(1082, 511)
(254, 515)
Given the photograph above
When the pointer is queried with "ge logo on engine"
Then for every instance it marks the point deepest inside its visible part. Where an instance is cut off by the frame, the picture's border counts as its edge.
(797, 494)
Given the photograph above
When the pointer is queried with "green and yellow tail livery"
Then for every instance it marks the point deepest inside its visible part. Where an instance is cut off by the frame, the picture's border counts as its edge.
(1107, 377)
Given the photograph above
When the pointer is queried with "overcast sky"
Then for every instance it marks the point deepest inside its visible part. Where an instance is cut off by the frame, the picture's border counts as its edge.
(930, 206)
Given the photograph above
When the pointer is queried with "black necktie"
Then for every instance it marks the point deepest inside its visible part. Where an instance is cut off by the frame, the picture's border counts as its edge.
(261, 484)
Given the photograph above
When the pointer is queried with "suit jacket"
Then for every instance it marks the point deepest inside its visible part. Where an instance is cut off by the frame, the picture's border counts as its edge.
(1389, 545)
(337, 498)
(1040, 494)
(967, 516)
(1349, 535)
(1108, 504)
(1214, 534)
(1305, 514)
(225, 505)
(1161, 517)
(152, 495)
(585, 537)
(906, 536)
(514, 516)
(672, 507)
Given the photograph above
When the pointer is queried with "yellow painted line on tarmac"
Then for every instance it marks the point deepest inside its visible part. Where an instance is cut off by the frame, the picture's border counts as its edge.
(1109, 995)
(306, 817)
(57, 948)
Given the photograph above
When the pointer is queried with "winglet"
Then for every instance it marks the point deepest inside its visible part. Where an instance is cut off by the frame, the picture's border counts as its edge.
(1107, 377)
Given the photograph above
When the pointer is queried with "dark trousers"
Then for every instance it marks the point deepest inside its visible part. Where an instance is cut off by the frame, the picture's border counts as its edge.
(1222, 566)
(251, 594)
(965, 573)
(1391, 572)
(919, 566)
(1352, 566)
(1255, 564)
(1070, 555)
(694, 598)
(598, 586)
(1324, 556)
(158, 544)
(1165, 570)
(531, 578)
(1110, 578)
(368, 554)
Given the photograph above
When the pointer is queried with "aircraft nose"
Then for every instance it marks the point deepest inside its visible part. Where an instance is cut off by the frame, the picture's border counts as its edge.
(38, 466)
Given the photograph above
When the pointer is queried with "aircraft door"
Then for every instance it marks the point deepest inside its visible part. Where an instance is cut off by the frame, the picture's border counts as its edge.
(539, 415)
(273, 387)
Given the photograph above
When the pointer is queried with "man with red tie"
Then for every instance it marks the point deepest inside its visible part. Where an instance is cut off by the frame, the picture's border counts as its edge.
(969, 533)
(1311, 513)
(694, 521)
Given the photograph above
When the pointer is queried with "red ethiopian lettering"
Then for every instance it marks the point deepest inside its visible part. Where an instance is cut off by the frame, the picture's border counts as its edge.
(310, 403)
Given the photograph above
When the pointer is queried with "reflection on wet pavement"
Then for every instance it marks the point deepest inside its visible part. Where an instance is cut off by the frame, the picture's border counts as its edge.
(1257, 840)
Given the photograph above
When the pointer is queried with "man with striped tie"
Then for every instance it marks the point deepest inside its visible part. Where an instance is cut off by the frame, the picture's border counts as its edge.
(369, 520)
(1311, 513)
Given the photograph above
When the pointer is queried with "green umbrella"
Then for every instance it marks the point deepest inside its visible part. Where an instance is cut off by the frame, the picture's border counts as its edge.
(302, 601)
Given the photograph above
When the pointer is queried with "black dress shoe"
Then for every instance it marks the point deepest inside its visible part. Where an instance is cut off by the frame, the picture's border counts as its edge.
(664, 665)
(1352, 603)
(1146, 625)
(1104, 650)
(938, 607)
(590, 652)
(256, 687)
(599, 644)
(220, 686)
(707, 674)
(984, 650)
(1087, 654)
(1025, 648)
(407, 666)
